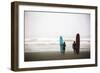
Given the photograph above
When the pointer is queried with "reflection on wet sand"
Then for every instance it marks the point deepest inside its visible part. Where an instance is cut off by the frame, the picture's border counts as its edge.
(40, 56)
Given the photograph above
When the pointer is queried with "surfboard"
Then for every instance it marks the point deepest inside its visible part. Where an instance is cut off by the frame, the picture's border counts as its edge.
(77, 43)
(61, 44)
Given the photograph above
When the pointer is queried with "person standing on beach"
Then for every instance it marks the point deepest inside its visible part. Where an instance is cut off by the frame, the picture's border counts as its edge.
(74, 47)
(76, 44)
(64, 47)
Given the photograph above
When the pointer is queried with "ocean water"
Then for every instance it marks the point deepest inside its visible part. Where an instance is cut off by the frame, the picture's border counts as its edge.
(51, 46)
(40, 51)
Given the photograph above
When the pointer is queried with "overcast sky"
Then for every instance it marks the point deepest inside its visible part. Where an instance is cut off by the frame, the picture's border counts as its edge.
(52, 25)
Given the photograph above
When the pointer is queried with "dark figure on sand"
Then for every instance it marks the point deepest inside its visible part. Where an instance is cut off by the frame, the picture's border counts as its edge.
(76, 45)
(64, 47)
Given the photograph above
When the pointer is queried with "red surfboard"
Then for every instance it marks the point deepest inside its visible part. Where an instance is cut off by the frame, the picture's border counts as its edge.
(77, 43)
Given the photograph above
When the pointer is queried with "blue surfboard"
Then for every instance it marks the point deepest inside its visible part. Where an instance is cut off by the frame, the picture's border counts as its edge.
(61, 44)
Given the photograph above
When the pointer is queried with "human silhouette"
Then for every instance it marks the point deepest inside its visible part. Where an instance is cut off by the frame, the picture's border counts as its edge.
(74, 46)
(64, 47)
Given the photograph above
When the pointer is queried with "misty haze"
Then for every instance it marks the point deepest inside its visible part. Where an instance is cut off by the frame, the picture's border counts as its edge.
(43, 30)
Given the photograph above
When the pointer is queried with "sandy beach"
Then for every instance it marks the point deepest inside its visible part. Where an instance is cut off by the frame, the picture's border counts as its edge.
(38, 56)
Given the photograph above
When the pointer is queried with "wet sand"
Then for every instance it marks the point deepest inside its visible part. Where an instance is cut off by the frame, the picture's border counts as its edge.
(41, 56)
